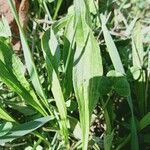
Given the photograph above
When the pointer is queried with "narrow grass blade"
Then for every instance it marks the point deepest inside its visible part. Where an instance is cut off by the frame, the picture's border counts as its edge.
(138, 61)
(4, 115)
(111, 47)
(149, 65)
(59, 2)
(13, 76)
(48, 52)
(108, 141)
(24, 129)
(137, 46)
(145, 121)
(68, 54)
(11, 81)
(28, 58)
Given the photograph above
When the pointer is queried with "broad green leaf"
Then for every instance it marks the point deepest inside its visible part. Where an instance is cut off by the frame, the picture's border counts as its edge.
(114, 73)
(87, 68)
(119, 83)
(75, 127)
(92, 7)
(105, 85)
(24, 129)
(25, 110)
(122, 86)
(136, 72)
(50, 1)
(51, 46)
(58, 25)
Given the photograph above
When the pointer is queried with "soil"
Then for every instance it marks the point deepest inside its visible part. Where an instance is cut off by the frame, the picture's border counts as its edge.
(22, 7)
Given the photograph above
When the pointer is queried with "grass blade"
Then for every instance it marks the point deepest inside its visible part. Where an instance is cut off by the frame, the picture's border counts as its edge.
(4, 115)
(24, 129)
(49, 55)
(138, 61)
(12, 74)
(137, 46)
(28, 58)
(112, 50)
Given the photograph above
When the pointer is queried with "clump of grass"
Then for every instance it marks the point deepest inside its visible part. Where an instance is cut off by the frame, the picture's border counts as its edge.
(86, 77)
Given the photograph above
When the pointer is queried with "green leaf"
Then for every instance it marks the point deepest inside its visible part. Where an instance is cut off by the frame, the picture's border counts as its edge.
(119, 83)
(137, 46)
(116, 60)
(4, 115)
(87, 68)
(112, 50)
(5, 128)
(105, 85)
(50, 1)
(136, 72)
(54, 81)
(12, 74)
(145, 121)
(122, 86)
(68, 54)
(51, 46)
(24, 129)
(4, 28)
(108, 139)
(29, 58)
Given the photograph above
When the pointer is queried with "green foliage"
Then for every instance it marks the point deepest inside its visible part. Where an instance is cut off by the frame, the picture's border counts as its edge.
(82, 80)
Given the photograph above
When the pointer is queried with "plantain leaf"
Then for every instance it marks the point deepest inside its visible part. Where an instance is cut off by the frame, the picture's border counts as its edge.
(87, 68)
